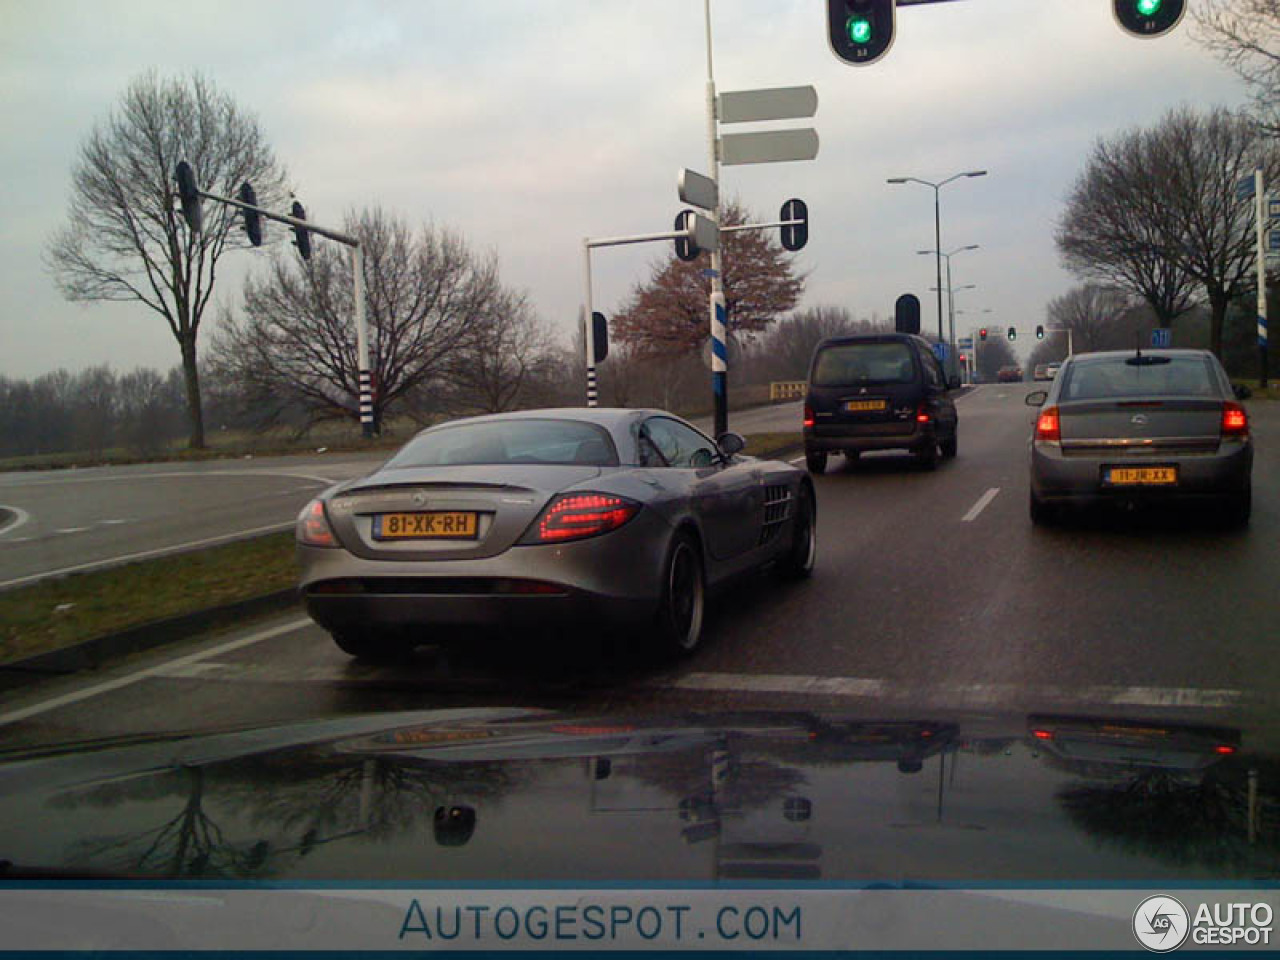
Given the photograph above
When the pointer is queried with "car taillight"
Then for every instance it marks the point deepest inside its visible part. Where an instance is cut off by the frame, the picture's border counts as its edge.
(1235, 422)
(576, 516)
(922, 414)
(1042, 734)
(1049, 426)
(1224, 749)
(313, 526)
(808, 416)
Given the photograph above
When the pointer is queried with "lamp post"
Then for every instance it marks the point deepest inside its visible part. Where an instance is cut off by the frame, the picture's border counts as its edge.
(951, 303)
(937, 221)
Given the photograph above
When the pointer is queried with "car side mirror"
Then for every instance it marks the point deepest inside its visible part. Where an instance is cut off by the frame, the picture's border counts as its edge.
(731, 444)
(1242, 392)
(953, 383)
(1036, 398)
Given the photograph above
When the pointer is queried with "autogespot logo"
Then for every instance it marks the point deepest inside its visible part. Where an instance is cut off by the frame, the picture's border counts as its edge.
(1161, 923)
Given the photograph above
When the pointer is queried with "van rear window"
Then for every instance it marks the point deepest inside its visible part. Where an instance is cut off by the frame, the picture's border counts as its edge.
(851, 363)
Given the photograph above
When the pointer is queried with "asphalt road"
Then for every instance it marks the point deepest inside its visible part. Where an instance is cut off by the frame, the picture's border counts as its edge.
(62, 521)
(933, 595)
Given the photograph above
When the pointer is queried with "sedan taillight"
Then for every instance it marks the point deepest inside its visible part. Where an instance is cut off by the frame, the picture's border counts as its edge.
(1235, 422)
(1049, 426)
(313, 528)
(576, 516)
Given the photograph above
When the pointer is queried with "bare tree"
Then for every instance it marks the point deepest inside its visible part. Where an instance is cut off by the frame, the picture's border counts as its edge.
(125, 241)
(497, 356)
(668, 314)
(1116, 226)
(1174, 186)
(295, 343)
(784, 351)
(1092, 314)
(1245, 34)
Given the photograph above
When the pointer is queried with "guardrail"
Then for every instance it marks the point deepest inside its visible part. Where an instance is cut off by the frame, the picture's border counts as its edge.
(780, 390)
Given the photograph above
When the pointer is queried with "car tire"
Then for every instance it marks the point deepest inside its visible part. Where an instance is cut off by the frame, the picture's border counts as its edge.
(1043, 514)
(682, 609)
(951, 445)
(370, 647)
(797, 563)
(927, 456)
(816, 461)
(1236, 511)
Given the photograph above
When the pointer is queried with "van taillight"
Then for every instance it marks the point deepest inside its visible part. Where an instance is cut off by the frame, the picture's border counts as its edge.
(808, 415)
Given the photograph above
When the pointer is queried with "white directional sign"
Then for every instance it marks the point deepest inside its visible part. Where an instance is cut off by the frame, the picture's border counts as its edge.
(777, 103)
(698, 190)
(706, 235)
(768, 146)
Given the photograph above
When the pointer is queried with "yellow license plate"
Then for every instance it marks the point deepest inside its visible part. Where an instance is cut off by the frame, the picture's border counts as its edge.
(862, 406)
(1142, 476)
(437, 525)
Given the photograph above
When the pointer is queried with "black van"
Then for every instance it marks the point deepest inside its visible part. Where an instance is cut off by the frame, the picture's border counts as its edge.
(878, 392)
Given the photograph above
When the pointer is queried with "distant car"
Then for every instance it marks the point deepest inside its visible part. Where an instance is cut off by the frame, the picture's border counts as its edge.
(878, 392)
(1009, 375)
(1158, 425)
(614, 517)
(1041, 372)
(1054, 367)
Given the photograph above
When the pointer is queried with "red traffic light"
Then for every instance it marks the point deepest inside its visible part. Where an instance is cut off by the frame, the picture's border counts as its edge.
(983, 333)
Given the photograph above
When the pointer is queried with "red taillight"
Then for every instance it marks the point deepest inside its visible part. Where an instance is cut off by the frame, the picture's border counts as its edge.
(313, 526)
(1235, 422)
(1049, 426)
(575, 516)
(808, 416)
(1225, 749)
(1042, 734)
(922, 415)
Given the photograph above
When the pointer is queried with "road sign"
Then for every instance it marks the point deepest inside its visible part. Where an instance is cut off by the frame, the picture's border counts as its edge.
(698, 190)
(965, 343)
(777, 103)
(1273, 241)
(706, 235)
(768, 146)
(940, 351)
(1245, 187)
(1273, 209)
(1162, 338)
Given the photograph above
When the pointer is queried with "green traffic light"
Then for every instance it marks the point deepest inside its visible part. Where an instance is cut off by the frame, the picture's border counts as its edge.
(1149, 8)
(860, 29)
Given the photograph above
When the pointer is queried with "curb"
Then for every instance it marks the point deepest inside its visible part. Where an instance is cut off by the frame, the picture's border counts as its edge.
(95, 653)
(7, 517)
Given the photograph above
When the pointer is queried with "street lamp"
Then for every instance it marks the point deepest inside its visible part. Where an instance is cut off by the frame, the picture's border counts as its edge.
(951, 303)
(937, 221)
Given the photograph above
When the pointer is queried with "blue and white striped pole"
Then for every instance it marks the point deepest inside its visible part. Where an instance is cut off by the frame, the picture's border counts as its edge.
(719, 353)
(1260, 198)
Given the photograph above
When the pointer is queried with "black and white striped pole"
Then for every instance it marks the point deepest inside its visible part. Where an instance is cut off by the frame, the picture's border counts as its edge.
(588, 325)
(190, 196)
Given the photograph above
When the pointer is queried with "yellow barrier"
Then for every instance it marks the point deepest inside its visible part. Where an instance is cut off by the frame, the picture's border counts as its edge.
(787, 390)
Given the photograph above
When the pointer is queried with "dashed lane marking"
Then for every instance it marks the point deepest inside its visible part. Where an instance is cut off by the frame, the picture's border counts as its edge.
(981, 505)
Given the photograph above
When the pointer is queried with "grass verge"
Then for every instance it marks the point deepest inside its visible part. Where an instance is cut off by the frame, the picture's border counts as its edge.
(58, 613)
(769, 445)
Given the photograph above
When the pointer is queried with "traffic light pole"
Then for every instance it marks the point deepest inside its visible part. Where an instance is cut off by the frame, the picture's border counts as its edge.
(717, 310)
(363, 373)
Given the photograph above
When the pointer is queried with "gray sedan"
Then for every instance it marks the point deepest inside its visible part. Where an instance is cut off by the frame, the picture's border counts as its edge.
(620, 518)
(1129, 426)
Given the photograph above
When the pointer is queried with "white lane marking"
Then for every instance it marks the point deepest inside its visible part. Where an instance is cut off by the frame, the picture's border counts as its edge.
(170, 475)
(978, 694)
(981, 505)
(20, 517)
(72, 530)
(112, 523)
(796, 460)
(158, 671)
(143, 555)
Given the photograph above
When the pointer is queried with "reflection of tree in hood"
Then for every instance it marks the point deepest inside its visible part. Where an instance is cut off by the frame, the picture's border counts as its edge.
(687, 773)
(1162, 815)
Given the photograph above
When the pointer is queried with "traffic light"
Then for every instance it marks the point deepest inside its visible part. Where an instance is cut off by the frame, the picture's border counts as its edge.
(1013, 333)
(252, 222)
(599, 336)
(860, 32)
(906, 314)
(1039, 332)
(1148, 18)
(301, 235)
(686, 249)
(796, 236)
(189, 196)
(982, 334)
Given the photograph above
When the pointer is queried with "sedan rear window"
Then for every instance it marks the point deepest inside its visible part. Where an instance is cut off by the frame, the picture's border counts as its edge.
(1118, 377)
(851, 363)
(509, 442)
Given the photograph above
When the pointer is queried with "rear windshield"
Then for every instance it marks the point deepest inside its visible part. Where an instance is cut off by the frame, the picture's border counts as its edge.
(1113, 377)
(509, 441)
(851, 363)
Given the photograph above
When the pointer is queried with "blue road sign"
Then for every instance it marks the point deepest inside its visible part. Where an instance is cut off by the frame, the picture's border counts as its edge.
(1273, 240)
(1162, 338)
(1245, 187)
(940, 351)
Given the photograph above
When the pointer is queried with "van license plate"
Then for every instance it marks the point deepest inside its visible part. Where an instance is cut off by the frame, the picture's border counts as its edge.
(863, 406)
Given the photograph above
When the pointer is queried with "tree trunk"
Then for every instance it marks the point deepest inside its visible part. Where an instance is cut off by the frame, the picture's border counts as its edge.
(191, 374)
(1218, 301)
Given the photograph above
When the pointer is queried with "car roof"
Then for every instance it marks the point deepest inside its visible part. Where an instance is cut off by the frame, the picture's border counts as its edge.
(887, 337)
(1125, 354)
(613, 419)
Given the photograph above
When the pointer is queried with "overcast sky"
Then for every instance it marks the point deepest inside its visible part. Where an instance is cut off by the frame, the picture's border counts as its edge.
(529, 125)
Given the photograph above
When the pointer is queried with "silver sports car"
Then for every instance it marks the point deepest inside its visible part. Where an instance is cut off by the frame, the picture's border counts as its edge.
(613, 516)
